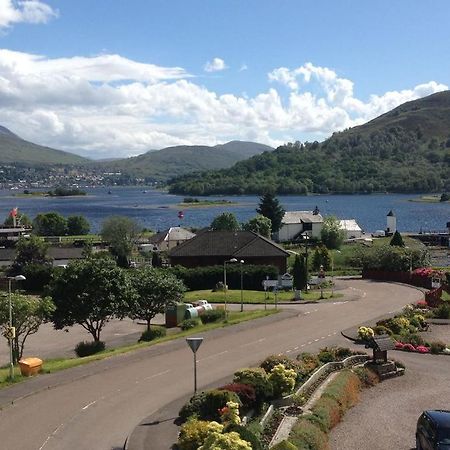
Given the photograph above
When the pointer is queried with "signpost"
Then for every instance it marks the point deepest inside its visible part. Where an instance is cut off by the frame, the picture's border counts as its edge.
(194, 344)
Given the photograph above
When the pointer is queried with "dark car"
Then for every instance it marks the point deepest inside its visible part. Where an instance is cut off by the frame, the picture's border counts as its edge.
(433, 430)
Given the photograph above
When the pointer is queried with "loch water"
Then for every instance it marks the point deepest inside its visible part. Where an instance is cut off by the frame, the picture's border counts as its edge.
(157, 210)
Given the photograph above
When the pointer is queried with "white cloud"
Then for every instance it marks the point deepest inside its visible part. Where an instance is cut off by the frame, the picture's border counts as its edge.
(27, 11)
(108, 105)
(216, 65)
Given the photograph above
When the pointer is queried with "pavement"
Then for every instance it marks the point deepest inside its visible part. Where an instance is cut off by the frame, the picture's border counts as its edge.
(99, 405)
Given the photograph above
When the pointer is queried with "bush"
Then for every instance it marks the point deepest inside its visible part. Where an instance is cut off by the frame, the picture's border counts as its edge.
(380, 329)
(342, 353)
(308, 363)
(245, 392)
(437, 347)
(246, 435)
(325, 356)
(282, 380)
(305, 435)
(194, 433)
(188, 324)
(89, 348)
(414, 339)
(367, 376)
(212, 315)
(225, 441)
(37, 276)
(273, 360)
(206, 405)
(256, 377)
(153, 333)
(442, 311)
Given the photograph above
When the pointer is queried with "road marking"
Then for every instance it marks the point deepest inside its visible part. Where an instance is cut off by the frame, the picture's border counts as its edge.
(295, 348)
(310, 342)
(254, 342)
(212, 356)
(307, 312)
(315, 340)
(288, 351)
(302, 345)
(329, 335)
(156, 375)
(89, 404)
(323, 337)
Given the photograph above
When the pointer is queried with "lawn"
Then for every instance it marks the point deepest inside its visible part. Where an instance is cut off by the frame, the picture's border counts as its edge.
(55, 365)
(256, 297)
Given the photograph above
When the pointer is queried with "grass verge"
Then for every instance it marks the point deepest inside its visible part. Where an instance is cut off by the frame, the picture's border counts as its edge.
(254, 297)
(55, 365)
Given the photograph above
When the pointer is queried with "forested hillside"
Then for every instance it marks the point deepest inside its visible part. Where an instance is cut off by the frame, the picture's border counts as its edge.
(405, 150)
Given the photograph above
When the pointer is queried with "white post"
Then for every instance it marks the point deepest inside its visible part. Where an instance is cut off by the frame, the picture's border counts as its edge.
(11, 362)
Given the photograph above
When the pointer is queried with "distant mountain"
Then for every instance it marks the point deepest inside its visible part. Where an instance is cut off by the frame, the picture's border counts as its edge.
(169, 162)
(404, 150)
(13, 149)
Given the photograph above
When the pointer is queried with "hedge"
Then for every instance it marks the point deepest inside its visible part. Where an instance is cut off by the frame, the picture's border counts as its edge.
(207, 277)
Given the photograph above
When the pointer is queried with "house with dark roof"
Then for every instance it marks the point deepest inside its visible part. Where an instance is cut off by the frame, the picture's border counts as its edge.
(211, 248)
(170, 238)
(61, 256)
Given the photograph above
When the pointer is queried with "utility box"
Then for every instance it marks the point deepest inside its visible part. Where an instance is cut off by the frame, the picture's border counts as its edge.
(175, 314)
(30, 366)
(193, 313)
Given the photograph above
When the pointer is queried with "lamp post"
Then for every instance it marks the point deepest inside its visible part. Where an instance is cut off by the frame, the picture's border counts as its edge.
(241, 262)
(306, 238)
(232, 260)
(11, 330)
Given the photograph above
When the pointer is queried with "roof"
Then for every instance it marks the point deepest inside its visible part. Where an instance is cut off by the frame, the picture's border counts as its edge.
(291, 217)
(9, 254)
(173, 234)
(349, 225)
(391, 213)
(240, 244)
(383, 342)
(440, 416)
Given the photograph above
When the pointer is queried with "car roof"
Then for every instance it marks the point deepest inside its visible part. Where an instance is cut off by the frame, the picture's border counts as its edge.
(440, 416)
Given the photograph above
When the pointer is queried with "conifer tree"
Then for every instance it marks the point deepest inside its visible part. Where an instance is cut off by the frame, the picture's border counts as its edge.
(270, 207)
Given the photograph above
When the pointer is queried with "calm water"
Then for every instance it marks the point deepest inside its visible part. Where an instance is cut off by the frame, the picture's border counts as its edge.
(157, 210)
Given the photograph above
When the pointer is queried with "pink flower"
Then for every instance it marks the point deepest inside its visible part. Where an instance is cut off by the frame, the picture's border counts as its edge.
(422, 349)
(409, 348)
(399, 345)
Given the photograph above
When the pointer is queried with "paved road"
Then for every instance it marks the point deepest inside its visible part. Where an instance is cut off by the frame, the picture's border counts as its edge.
(101, 403)
(386, 417)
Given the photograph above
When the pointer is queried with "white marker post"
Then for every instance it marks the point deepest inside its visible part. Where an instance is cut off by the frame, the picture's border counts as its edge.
(194, 344)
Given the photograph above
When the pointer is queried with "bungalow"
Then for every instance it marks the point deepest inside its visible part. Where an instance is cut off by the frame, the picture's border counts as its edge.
(170, 238)
(210, 248)
(296, 224)
(60, 256)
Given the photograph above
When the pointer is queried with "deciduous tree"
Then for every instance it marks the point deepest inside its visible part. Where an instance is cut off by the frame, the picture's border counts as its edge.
(50, 224)
(259, 224)
(77, 225)
(225, 222)
(90, 293)
(331, 234)
(153, 289)
(28, 314)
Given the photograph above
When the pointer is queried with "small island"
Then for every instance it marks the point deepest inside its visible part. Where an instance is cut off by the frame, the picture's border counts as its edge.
(57, 192)
(436, 198)
(192, 202)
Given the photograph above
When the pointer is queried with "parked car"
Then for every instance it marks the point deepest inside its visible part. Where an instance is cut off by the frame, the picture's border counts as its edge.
(433, 430)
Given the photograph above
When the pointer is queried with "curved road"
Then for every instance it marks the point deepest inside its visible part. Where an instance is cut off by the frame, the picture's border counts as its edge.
(98, 405)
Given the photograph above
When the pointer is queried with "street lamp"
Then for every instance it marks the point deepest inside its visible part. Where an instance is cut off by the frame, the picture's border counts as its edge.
(241, 262)
(11, 330)
(232, 260)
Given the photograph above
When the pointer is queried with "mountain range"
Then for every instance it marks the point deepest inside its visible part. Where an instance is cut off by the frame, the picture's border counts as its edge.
(404, 150)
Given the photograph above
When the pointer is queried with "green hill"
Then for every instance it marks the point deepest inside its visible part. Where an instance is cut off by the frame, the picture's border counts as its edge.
(173, 161)
(13, 149)
(404, 150)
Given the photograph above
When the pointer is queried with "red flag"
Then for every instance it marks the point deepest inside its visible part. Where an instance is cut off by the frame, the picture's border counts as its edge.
(13, 212)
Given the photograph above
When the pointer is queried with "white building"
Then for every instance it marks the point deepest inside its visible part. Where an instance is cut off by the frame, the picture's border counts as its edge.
(391, 223)
(296, 224)
(351, 228)
(169, 239)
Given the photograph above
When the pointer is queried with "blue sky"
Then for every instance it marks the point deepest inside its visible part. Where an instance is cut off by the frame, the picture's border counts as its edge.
(117, 78)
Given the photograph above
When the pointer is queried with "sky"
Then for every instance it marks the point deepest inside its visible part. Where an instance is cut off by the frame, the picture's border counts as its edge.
(116, 78)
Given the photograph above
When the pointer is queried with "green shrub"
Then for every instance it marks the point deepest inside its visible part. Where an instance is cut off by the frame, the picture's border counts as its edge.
(308, 363)
(194, 433)
(342, 353)
(89, 348)
(258, 378)
(273, 360)
(367, 376)
(206, 405)
(442, 311)
(282, 380)
(380, 329)
(414, 339)
(212, 315)
(325, 356)
(153, 333)
(246, 435)
(437, 347)
(188, 324)
(307, 436)
(225, 441)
